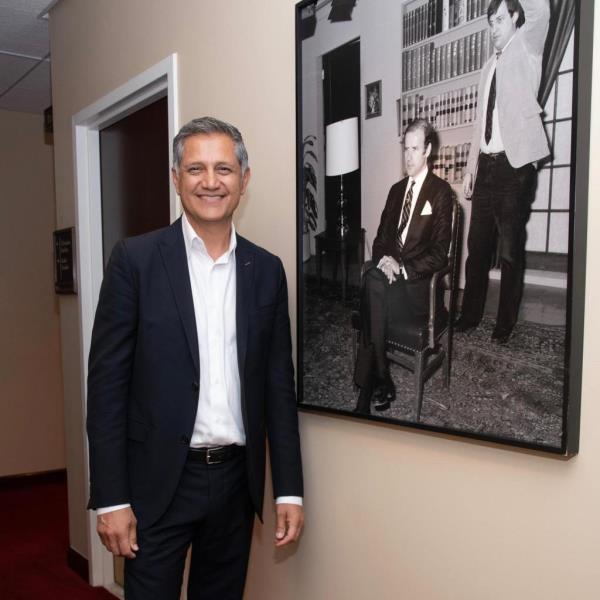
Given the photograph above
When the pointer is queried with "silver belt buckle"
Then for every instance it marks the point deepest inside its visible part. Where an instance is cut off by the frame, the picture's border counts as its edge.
(209, 461)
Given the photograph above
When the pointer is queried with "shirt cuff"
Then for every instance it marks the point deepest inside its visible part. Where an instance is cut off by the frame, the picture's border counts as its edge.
(289, 500)
(107, 509)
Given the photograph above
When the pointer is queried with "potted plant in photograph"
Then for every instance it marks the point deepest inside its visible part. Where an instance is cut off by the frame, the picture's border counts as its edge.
(309, 186)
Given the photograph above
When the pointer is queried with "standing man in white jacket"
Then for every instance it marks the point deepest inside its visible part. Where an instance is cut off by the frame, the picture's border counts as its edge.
(508, 139)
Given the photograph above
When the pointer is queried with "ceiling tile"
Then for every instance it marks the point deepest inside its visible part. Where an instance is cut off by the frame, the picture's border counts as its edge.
(20, 29)
(11, 68)
(21, 32)
(32, 94)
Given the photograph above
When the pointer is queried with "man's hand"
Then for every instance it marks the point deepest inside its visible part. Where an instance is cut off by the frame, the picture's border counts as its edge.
(390, 268)
(468, 185)
(118, 531)
(290, 520)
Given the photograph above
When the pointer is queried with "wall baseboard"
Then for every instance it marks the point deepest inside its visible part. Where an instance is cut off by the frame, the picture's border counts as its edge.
(79, 564)
(22, 480)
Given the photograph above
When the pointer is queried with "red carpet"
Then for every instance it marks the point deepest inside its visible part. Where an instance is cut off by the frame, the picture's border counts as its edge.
(33, 546)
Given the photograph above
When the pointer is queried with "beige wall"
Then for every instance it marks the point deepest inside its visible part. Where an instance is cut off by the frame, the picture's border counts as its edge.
(390, 513)
(31, 409)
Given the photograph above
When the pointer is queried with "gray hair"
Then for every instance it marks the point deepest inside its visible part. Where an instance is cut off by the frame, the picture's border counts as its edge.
(207, 126)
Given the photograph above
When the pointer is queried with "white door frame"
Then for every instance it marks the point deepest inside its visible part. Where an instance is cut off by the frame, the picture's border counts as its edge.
(156, 82)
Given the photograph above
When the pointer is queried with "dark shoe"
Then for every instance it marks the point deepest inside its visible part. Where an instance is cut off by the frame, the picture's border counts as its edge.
(363, 405)
(463, 326)
(383, 395)
(501, 336)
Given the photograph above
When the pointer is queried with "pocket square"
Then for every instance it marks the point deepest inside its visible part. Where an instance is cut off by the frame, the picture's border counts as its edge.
(426, 209)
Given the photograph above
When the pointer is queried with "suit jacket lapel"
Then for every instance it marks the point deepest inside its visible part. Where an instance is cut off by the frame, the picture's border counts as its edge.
(244, 267)
(396, 211)
(172, 249)
(414, 227)
(244, 282)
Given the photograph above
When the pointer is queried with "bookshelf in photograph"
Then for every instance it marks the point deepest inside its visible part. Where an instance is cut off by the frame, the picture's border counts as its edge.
(445, 45)
(426, 19)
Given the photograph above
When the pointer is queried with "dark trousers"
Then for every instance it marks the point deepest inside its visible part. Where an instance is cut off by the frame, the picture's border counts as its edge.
(212, 512)
(501, 205)
(382, 303)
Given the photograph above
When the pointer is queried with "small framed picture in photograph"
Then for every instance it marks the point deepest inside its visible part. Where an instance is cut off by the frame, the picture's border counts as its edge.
(373, 99)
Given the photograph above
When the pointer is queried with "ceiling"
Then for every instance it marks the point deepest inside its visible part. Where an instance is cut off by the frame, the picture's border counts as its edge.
(25, 55)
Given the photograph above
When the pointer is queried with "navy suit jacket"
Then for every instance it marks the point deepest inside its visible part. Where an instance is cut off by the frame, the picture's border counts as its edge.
(144, 377)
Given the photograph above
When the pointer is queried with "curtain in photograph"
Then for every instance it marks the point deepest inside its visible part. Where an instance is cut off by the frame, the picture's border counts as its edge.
(562, 21)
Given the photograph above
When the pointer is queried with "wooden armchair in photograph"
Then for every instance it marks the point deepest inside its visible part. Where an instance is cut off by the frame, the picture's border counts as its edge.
(424, 344)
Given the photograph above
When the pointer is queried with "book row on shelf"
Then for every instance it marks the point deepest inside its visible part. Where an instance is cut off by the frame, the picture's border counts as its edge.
(450, 109)
(427, 64)
(450, 162)
(437, 16)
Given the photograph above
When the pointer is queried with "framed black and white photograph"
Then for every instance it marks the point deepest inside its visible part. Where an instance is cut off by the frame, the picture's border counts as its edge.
(373, 99)
(441, 248)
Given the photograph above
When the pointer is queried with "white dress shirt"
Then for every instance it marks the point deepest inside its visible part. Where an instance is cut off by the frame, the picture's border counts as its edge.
(219, 415)
(496, 144)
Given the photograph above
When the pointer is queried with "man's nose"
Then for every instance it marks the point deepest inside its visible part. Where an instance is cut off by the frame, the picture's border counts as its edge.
(210, 179)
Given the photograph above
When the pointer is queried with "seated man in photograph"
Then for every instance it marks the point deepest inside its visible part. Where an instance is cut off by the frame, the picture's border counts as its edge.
(411, 244)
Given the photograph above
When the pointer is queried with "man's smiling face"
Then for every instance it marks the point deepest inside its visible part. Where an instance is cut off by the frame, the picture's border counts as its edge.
(209, 179)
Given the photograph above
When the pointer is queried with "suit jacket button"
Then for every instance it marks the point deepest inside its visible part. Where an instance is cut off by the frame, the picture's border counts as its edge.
(195, 386)
(184, 439)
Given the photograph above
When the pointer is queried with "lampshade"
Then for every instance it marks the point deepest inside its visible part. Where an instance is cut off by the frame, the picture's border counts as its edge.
(342, 147)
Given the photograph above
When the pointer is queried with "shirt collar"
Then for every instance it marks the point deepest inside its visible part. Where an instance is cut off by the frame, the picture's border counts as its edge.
(191, 238)
(419, 179)
(512, 37)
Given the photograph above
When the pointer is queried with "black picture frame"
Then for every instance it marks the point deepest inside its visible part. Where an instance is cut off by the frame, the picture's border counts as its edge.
(373, 99)
(316, 396)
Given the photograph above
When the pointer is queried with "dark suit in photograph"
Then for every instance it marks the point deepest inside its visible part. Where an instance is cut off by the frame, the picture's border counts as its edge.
(424, 251)
(504, 172)
(143, 387)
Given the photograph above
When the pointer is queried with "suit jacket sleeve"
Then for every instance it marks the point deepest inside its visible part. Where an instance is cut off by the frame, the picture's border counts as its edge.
(535, 28)
(281, 409)
(384, 243)
(109, 374)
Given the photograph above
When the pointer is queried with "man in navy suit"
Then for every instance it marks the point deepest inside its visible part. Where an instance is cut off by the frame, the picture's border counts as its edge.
(190, 370)
(411, 244)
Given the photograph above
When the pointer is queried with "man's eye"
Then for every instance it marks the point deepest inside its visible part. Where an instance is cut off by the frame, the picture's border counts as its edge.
(224, 170)
(193, 170)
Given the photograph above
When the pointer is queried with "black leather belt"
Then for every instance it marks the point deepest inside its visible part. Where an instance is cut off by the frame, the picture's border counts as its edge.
(216, 454)
(494, 155)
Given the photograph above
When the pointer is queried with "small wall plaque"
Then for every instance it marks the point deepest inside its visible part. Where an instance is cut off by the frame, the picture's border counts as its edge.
(65, 275)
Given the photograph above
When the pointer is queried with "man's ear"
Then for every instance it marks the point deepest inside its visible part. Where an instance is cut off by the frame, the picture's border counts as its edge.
(245, 180)
(175, 178)
(428, 150)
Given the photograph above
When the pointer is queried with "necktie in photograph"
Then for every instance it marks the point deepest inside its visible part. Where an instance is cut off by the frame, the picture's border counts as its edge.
(489, 116)
(405, 214)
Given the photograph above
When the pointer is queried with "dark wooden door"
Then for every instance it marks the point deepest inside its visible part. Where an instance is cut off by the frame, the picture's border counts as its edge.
(341, 100)
(134, 165)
